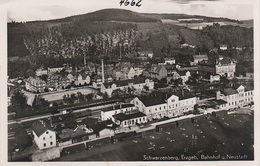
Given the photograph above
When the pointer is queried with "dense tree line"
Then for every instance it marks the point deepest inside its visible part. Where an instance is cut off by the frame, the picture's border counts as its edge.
(233, 36)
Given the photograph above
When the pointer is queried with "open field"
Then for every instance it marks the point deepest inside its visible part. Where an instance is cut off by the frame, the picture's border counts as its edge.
(203, 24)
(59, 95)
(52, 96)
(225, 137)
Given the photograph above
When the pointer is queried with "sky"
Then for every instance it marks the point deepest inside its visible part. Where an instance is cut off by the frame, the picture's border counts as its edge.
(31, 10)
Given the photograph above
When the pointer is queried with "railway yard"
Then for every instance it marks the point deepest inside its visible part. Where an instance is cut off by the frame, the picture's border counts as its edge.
(224, 137)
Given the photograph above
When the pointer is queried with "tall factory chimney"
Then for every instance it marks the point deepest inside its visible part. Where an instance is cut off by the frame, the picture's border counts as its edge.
(85, 60)
(103, 75)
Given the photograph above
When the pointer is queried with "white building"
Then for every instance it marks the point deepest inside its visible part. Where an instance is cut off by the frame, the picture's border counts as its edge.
(41, 71)
(130, 119)
(165, 104)
(223, 47)
(236, 97)
(44, 135)
(131, 73)
(198, 58)
(146, 54)
(170, 61)
(108, 112)
(226, 67)
(137, 83)
(82, 79)
(184, 75)
(55, 69)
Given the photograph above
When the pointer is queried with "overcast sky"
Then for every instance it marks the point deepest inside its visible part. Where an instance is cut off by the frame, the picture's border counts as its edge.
(30, 10)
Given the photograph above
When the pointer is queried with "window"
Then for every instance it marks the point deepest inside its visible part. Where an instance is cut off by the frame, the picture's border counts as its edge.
(155, 109)
(43, 138)
(44, 144)
(51, 136)
(51, 143)
(47, 132)
(160, 108)
(125, 122)
(164, 107)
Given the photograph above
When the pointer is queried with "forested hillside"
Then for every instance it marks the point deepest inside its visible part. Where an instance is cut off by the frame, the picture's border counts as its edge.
(110, 34)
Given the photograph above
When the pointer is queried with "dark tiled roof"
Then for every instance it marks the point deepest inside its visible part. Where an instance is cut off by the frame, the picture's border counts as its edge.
(116, 107)
(249, 88)
(221, 102)
(121, 116)
(228, 91)
(207, 63)
(160, 97)
(40, 128)
(102, 125)
(182, 73)
(89, 121)
(153, 99)
(225, 61)
(183, 94)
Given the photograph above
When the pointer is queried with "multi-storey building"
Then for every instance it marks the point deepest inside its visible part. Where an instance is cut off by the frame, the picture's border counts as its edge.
(223, 67)
(156, 71)
(165, 104)
(236, 97)
(44, 135)
(130, 119)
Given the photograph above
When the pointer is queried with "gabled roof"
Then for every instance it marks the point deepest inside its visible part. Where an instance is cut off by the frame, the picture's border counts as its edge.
(156, 68)
(40, 128)
(182, 73)
(229, 91)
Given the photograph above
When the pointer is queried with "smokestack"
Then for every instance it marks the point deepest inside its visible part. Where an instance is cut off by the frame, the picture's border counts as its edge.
(103, 75)
(85, 60)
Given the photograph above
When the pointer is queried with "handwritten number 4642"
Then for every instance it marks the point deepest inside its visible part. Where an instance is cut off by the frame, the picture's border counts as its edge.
(132, 3)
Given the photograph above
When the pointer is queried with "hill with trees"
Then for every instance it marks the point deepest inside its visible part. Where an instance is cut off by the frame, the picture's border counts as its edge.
(111, 34)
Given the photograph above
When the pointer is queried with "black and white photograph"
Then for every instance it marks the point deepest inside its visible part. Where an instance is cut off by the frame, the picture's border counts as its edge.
(164, 81)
